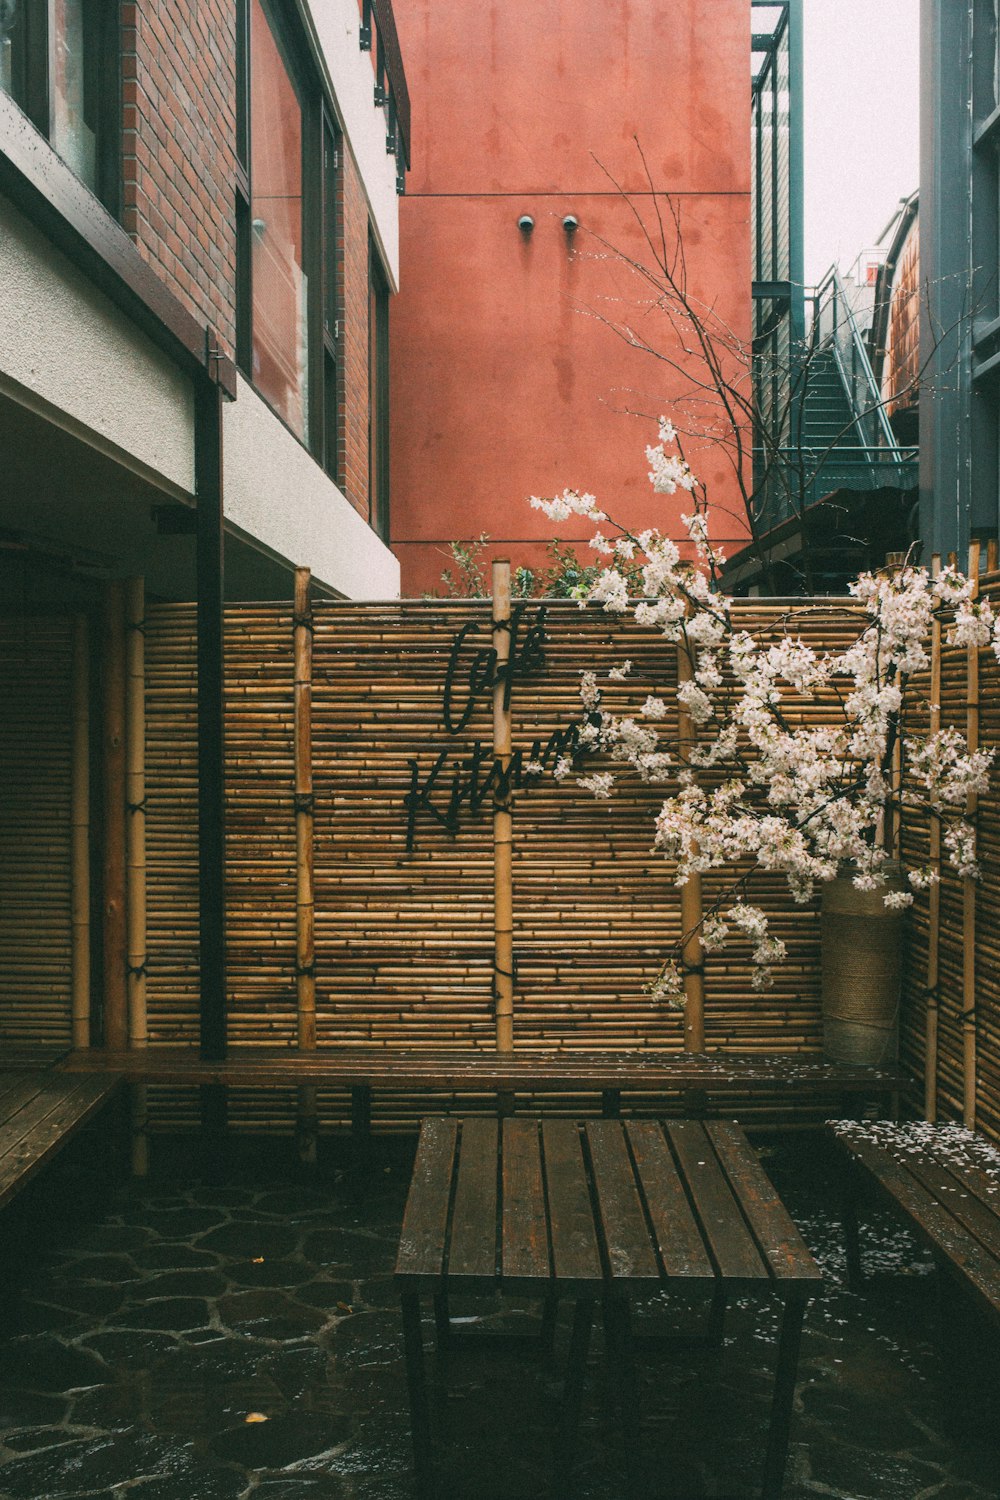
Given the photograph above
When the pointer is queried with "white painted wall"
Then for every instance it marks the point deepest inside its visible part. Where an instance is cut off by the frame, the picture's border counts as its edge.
(64, 342)
(335, 25)
(277, 493)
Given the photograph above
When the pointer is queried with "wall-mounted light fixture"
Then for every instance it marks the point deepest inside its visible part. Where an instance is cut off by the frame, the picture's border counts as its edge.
(571, 223)
(525, 223)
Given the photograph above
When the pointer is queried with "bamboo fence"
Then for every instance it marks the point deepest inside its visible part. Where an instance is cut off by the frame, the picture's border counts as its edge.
(341, 934)
(405, 941)
(41, 828)
(950, 1024)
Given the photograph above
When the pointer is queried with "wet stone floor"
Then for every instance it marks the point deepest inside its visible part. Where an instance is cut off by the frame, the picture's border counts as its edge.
(178, 1340)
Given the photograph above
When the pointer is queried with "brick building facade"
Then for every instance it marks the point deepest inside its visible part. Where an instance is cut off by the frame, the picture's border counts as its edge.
(241, 160)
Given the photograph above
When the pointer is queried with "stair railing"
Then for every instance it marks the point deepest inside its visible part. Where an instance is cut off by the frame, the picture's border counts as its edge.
(835, 327)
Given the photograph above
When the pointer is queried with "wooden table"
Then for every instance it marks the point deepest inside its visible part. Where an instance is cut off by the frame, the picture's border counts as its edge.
(600, 1212)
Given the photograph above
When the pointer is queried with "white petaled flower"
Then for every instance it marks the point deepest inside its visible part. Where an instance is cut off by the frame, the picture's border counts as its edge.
(600, 784)
(599, 543)
(619, 674)
(714, 932)
(533, 768)
(562, 768)
(590, 695)
(790, 794)
(695, 702)
(897, 900)
(668, 984)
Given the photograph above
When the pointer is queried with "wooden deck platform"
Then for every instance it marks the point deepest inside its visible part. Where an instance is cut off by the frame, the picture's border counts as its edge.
(40, 1110)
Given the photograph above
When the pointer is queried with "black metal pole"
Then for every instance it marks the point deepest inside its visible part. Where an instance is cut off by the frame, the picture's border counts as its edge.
(211, 727)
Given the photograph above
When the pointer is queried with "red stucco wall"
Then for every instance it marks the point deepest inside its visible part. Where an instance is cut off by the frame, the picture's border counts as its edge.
(506, 379)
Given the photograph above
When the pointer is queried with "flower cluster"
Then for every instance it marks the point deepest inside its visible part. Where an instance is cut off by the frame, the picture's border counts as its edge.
(785, 797)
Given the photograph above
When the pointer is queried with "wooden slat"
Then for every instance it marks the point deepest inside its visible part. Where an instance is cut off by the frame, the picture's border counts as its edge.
(524, 1240)
(458, 1067)
(472, 1250)
(782, 1245)
(682, 1249)
(420, 1259)
(576, 1255)
(630, 1254)
(42, 1127)
(953, 1194)
(933, 1224)
(733, 1250)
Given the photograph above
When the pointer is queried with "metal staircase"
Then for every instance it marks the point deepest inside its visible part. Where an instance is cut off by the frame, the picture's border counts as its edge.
(840, 442)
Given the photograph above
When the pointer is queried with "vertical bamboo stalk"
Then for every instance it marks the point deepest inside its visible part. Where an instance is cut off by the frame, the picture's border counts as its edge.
(114, 921)
(135, 797)
(992, 554)
(969, 887)
(80, 835)
(305, 892)
(934, 895)
(503, 892)
(692, 910)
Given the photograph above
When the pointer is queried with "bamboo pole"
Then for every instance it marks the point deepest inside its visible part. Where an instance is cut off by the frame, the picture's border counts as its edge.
(692, 908)
(135, 797)
(114, 923)
(934, 895)
(305, 894)
(969, 886)
(503, 894)
(80, 835)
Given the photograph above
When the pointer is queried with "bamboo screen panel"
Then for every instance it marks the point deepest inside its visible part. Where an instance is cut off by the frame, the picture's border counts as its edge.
(968, 925)
(404, 942)
(172, 824)
(404, 939)
(594, 907)
(35, 809)
(260, 843)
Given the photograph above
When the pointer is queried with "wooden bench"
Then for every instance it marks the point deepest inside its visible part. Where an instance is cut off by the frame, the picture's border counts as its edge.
(39, 1112)
(946, 1181)
(602, 1212)
(691, 1078)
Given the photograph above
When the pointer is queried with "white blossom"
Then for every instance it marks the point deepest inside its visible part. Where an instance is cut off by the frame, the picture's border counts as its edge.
(600, 784)
(789, 798)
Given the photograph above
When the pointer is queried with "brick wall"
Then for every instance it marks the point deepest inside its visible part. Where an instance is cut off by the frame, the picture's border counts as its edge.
(179, 149)
(179, 168)
(353, 259)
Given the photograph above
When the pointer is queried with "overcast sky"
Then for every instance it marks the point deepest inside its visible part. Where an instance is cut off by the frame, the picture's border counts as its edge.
(861, 134)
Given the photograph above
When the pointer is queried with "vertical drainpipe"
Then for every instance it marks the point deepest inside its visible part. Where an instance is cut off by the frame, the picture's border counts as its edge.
(208, 454)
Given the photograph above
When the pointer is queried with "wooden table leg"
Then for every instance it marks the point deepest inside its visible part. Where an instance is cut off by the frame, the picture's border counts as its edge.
(618, 1335)
(781, 1406)
(420, 1421)
(361, 1127)
(852, 1241)
(576, 1371)
(717, 1315)
(442, 1322)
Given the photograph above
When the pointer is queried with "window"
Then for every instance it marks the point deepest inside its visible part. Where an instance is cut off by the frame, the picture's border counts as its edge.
(378, 396)
(286, 201)
(59, 63)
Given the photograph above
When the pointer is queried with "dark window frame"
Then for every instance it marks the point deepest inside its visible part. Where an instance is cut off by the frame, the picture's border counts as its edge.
(103, 83)
(320, 229)
(378, 394)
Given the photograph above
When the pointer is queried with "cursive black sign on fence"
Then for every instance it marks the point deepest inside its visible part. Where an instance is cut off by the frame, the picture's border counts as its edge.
(450, 787)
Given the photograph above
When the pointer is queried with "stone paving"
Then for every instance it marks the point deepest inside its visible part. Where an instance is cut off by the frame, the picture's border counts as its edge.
(182, 1341)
